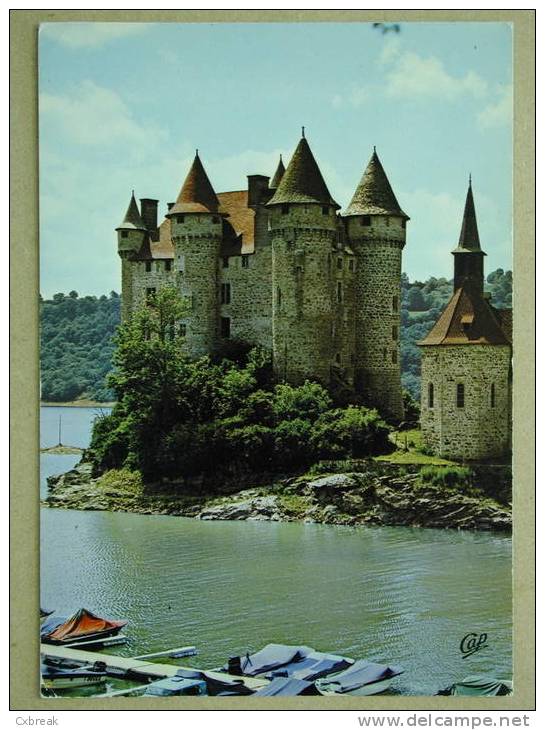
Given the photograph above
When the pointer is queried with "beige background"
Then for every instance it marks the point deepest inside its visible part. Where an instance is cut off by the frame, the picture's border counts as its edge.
(24, 537)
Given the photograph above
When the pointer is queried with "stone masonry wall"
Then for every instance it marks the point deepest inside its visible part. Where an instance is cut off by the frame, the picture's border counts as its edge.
(303, 242)
(197, 241)
(378, 249)
(478, 430)
(143, 280)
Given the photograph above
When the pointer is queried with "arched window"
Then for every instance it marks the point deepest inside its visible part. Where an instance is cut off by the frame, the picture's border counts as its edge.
(460, 395)
(395, 303)
(394, 356)
(430, 395)
(492, 395)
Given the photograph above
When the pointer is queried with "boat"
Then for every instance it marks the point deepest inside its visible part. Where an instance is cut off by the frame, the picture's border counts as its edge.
(363, 678)
(66, 676)
(44, 613)
(314, 666)
(287, 687)
(479, 685)
(197, 682)
(81, 626)
(271, 657)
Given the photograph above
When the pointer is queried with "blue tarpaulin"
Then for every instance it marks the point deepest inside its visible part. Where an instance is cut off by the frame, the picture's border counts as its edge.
(270, 657)
(287, 687)
(313, 666)
(360, 674)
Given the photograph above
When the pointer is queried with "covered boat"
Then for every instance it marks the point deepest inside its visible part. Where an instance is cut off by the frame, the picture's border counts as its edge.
(287, 687)
(479, 685)
(176, 686)
(362, 678)
(272, 656)
(57, 676)
(215, 684)
(314, 666)
(82, 626)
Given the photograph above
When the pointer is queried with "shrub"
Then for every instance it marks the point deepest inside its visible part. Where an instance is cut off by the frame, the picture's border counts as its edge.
(354, 432)
(449, 477)
(307, 401)
(293, 443)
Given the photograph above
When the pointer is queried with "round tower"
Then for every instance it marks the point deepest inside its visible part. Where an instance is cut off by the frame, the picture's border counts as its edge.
(465, 409)
(196, 231)
(376, 229)
(303, 233)
(131, 237)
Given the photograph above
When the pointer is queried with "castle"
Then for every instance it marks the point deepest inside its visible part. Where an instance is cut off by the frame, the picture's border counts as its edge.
(466, 374)
(277, 266)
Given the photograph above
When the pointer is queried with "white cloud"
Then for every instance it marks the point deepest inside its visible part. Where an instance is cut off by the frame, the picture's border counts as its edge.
(390, 49)
(90, 35)
(96, 116)
(499, 112)
(412, 75)
(356, 97)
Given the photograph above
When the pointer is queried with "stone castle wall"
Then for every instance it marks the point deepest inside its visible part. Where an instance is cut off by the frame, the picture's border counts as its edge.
(378, 249)
(480, 429)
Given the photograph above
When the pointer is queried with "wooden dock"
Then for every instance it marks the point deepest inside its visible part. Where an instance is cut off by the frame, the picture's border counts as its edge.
(135, 668)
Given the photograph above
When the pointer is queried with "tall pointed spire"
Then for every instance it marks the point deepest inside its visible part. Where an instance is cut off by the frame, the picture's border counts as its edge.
(374, 194)
(278, 175)
(468, 255)
(197, 194)
(132, 219)
(469, 234)
(302, 181)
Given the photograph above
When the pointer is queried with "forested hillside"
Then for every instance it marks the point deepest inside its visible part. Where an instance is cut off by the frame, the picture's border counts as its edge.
(77, 347)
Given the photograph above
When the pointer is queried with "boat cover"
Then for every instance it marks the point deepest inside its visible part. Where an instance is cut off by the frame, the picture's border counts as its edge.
(271, 657)
(176, 686)
(361, 673)
(287, 687)
(51, 672)
(83, 623)
(50, 624)
(313, 666)
(215, 684)
(479, 685)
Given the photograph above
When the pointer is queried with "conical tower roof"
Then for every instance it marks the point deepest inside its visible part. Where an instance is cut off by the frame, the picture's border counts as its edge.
(302, 182)
(278, 175)
(197, 194)
(374, 194)
(469, 235)
(132, 219)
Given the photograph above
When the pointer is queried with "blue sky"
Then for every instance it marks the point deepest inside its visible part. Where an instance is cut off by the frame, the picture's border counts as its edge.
(124, 106)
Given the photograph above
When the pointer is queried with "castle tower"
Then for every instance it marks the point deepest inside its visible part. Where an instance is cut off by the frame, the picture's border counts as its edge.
(131, 238)
(468, 256)
(278, 175)
(196, 230)
(466, 363)
(376, 228)
(303, 233)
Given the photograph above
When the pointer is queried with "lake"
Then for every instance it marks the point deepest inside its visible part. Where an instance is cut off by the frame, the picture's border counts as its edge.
(389, 594)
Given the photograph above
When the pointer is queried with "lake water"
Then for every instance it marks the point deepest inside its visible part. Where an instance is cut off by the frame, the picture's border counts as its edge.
(389, 594)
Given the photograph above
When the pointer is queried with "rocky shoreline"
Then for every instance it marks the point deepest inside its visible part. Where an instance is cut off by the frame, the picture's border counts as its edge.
(369, 497)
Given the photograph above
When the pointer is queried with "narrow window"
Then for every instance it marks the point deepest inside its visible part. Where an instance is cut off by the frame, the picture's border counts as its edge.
(339, 263)
(148, 266)
(226, 293)
(492, 396)
(395, 303)
(180, 218)
(245, 261)
(403, 223)
(124, 234)
(225, 262)
(181, 263)
(325, 210)
(278, 297)
(168, 265)
(394, 356)
(225, 327)
(430, 395)
(460, 395)
(339, 291)
(366, 220)
(183, 329)
(285, 209)
(351, 265)
(387, 221)
(394, 332)
(150, 293)
(384, 353)
(338, 358)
